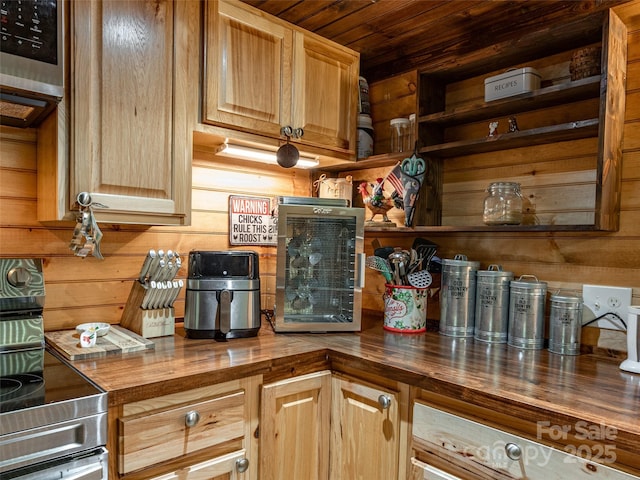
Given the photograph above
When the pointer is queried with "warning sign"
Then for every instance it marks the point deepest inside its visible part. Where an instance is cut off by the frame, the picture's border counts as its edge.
(251, 221)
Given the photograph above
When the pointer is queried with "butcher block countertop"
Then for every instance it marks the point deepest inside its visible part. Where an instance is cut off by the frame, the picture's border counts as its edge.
(532, 385)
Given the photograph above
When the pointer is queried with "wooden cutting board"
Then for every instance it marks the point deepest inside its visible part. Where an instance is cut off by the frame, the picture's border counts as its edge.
(118, 340)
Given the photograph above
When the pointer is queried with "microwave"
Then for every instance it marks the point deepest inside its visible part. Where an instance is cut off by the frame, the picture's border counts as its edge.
(320, 265)
(31, 60)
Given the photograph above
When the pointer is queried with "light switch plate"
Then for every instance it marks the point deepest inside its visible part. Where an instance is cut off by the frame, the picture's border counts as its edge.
(599, 300)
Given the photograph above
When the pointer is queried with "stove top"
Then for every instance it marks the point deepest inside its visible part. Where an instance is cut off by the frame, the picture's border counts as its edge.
(55, 381)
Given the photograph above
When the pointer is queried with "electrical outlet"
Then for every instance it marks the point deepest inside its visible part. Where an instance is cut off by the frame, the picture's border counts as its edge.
(599, 300)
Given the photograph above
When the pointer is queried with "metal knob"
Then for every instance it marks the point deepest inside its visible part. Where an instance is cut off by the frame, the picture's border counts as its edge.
(192, 418)
(242, 465)
(514, 452)
(19, 277)
(384, 401)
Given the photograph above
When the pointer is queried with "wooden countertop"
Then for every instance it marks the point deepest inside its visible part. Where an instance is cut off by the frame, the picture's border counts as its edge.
(526, 384)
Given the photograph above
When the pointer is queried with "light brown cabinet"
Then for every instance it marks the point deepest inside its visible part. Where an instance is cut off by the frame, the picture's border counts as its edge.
(128, 115)
(200, 433)
(326, 426)
(263, 74)
(365, 431)
(294, 428)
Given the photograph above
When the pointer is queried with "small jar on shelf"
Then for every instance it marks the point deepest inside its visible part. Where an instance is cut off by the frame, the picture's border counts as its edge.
(503, 204)
(399, 134)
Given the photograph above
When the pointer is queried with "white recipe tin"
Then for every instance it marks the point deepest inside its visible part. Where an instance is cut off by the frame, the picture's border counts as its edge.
(510, 83)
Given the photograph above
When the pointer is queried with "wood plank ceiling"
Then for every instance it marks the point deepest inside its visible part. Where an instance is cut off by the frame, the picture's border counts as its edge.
(393, 36)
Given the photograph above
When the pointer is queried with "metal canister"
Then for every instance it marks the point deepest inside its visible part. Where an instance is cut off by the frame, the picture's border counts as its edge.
(527, 298)
(492, 304)
(565, 324)
(457, 297)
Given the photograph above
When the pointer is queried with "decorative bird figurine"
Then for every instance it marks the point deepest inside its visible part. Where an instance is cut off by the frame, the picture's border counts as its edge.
(376, 202)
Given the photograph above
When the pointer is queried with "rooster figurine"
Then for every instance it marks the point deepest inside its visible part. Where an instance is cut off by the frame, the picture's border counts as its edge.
(376, 202)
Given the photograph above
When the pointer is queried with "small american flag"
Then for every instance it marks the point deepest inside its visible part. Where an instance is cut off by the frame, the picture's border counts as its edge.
(395, 179)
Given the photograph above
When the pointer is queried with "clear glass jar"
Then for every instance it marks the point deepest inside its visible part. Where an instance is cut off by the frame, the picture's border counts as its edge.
(503, 205)
(399, 134)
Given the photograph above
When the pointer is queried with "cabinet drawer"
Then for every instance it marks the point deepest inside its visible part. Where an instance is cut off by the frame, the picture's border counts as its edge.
(227, 467)
(476, 451)
(156, 436)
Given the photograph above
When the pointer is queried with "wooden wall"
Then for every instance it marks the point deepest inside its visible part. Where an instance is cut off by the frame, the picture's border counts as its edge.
(81, 290)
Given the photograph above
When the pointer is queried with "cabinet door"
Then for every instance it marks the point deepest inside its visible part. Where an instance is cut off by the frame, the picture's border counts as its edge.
(294, 428)
(227, 467)
(365, 432)
(132, 111)
(248, 70)
(325, 93)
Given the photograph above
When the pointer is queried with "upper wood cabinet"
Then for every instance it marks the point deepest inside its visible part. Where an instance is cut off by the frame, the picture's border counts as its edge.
(132, 105)
(262, 74)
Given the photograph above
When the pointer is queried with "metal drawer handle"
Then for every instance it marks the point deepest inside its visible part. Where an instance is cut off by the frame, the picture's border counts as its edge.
(514, 452)
(242, 465)
(384, 401)
(192, 418)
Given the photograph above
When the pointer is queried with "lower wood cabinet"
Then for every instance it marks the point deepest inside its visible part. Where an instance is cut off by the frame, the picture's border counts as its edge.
(294, 428)
(450, 447)
(365, 431)
(330, 426)
(202, 433)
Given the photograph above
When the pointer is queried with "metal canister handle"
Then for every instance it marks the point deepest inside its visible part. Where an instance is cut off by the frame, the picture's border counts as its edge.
(494, 267)
(191, 418)
(527, 276)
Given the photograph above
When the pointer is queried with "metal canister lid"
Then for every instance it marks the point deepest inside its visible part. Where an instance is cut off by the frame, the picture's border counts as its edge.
(567, 299)
(494, 271)
(524, 284)
(460, 260)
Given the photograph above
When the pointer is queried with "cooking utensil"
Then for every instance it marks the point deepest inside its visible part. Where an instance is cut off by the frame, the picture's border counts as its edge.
(420, 279)
(379, 264)
(399, 261)
(287, 155)
(383, 252)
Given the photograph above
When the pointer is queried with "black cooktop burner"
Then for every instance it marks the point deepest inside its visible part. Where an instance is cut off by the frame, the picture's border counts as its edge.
(56, 382)
(21, 391)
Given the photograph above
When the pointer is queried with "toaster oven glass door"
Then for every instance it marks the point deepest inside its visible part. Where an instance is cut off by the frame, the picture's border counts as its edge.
(320, 270)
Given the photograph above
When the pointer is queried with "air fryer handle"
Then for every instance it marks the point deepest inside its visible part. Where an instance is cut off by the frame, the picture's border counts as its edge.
(224, 303)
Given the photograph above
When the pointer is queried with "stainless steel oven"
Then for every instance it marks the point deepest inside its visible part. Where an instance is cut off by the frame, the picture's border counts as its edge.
(53, 420)
(320, 265)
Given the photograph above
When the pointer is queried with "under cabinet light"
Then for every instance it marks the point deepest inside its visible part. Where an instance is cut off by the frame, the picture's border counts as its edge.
(259, 155)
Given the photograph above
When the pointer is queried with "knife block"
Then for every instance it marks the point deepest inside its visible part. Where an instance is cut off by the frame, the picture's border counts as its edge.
(148, 323)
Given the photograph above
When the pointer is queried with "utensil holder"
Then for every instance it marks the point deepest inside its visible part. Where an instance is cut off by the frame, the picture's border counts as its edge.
(148, 323)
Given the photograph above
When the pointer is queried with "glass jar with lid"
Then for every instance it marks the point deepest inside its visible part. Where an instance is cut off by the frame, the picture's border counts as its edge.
(503, 204)
(399, 134)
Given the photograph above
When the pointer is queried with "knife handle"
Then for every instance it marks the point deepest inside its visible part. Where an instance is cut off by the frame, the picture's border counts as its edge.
(146, 265)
